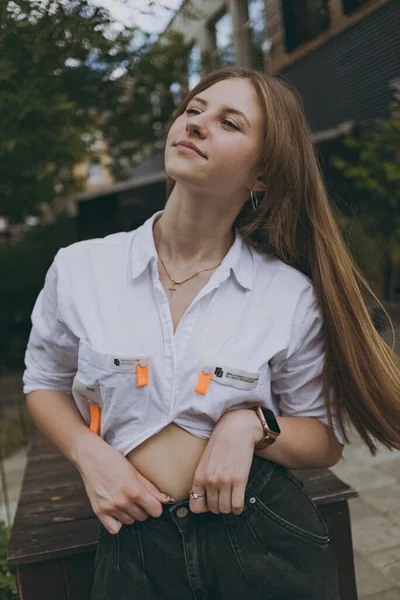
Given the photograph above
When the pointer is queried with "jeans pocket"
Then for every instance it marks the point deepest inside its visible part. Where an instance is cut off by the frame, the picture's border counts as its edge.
(280, 506)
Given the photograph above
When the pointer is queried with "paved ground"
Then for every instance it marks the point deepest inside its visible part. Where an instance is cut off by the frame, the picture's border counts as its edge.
(14, 467)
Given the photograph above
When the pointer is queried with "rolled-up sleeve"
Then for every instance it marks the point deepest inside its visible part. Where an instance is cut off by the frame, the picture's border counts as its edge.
(51, 353)
(297, 372)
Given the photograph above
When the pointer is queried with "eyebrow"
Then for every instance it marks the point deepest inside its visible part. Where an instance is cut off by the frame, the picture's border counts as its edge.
(225, 108)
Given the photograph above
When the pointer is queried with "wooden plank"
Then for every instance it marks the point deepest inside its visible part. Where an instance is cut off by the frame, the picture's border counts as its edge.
(44, 543)
(79, 575)
(42, 581)
(323, 486)
(337, 519)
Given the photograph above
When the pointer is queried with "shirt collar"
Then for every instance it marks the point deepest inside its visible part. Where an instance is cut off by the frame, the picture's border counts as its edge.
(239, 258)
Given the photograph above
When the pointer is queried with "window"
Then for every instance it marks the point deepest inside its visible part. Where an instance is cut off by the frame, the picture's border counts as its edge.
(258, 33)
(224, 40)
(95, 173)
(350, 5)
(304, 20)
(194, 66)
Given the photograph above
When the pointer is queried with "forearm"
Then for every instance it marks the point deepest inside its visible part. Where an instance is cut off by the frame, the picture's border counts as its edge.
(304, 443)
(56, 415)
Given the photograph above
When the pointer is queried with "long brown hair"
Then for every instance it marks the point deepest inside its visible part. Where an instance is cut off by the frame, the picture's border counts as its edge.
(294, 222)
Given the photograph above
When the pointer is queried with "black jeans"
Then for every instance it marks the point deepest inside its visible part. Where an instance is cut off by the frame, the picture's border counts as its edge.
(277, 549)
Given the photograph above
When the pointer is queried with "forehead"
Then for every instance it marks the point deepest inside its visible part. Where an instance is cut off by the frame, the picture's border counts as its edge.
(235, 93)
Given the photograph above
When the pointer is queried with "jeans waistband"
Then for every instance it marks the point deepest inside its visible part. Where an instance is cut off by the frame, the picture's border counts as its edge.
(261, 470)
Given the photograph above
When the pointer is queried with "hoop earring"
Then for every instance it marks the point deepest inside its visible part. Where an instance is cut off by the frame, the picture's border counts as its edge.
(254, 200)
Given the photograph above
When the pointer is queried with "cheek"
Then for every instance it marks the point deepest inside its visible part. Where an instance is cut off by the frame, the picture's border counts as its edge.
(237, 160)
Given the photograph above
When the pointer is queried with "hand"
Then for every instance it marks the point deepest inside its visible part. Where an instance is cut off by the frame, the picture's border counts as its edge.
(224, 467)
(117, 492)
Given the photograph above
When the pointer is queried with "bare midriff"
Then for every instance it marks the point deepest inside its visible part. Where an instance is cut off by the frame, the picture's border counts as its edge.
(169, 460)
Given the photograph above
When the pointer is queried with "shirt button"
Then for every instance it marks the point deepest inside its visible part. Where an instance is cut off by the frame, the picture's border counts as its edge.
(252, 500)
(142, 362)
(207, 371)
(182, 512)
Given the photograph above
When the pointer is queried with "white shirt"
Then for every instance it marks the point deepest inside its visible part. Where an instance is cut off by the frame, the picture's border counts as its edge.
(255, 327)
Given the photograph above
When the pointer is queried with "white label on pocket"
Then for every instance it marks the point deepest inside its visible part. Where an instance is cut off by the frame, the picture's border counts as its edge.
(91, 391)
(126, 364)
(225, 375)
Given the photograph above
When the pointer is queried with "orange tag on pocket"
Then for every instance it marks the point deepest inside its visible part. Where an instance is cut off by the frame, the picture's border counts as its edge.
(95, 417)
(142, 375)
(203, 383)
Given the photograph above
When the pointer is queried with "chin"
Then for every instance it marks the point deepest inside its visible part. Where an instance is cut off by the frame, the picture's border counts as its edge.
(178, 171)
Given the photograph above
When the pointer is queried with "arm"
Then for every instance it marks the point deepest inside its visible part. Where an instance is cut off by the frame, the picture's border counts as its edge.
(58, 418)
(304, 443)
(118, 493)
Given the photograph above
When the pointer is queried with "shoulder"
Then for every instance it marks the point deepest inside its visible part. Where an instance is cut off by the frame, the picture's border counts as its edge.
(109, 250)
(282, 279)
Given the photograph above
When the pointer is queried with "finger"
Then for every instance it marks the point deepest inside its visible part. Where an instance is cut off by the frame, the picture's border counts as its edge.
(225, 499)
(152, 489)
(112, 525)
(129, 515)
(213, 499)
(238, 492)
(199, 505)
(147, 502)
(130, 508)
(124, 517)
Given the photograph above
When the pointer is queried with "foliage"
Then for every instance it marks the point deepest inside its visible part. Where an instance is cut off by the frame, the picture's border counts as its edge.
(66, 73)
(150, 91)
(8, 589)
(23, 267)
(56, 70)
(373, 166)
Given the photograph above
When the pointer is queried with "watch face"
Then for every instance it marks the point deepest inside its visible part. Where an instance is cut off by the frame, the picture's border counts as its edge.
(270, 419)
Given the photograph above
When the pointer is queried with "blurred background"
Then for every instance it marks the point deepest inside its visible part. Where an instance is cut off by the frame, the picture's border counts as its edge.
(87, 88)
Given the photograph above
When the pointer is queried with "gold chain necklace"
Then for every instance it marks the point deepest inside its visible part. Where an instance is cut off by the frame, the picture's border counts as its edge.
(175, 282)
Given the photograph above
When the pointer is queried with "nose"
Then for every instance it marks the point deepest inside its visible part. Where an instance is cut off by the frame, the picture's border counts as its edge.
(197, 125)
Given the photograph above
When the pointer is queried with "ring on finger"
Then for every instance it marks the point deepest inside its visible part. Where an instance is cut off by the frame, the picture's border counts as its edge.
(194, 495)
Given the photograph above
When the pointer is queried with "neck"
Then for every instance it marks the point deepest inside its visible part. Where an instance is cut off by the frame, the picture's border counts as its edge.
(191, 232)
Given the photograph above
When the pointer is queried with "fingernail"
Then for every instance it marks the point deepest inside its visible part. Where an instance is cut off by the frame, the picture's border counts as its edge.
(167, 497)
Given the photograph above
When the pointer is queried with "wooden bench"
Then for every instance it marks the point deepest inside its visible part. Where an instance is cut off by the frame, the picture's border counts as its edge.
(54, 536)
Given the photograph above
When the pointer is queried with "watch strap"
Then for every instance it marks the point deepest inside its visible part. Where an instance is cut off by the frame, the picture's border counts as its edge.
(270, 436)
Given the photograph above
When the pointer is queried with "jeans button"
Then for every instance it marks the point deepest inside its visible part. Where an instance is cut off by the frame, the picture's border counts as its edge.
(182, 512)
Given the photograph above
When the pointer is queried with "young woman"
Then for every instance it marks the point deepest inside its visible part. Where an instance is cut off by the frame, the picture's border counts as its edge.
(239, 295)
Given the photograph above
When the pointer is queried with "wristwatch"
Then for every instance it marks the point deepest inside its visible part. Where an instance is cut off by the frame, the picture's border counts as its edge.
(270, 426)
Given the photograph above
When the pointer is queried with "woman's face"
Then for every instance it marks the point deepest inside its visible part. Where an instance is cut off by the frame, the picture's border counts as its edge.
(225, 122)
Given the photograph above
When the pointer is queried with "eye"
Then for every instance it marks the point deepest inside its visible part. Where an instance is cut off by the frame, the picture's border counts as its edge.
(231, 124)
(225, 121)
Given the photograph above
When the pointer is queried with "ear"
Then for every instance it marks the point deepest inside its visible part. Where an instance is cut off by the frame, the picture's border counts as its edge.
(259, 185)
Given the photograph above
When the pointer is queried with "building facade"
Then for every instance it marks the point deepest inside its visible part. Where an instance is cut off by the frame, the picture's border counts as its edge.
(342, 56)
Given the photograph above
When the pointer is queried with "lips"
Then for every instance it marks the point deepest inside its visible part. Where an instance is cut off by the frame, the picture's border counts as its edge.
(192, 146)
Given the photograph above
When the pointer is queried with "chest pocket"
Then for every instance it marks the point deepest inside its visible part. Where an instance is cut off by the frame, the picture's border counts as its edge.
(115, 387)
(221, 387)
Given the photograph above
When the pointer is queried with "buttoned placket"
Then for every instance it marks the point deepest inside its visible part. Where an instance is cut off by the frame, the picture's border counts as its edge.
(175, 344)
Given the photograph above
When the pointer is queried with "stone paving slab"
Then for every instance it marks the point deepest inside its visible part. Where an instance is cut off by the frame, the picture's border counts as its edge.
(14, 468)
(375, 518)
